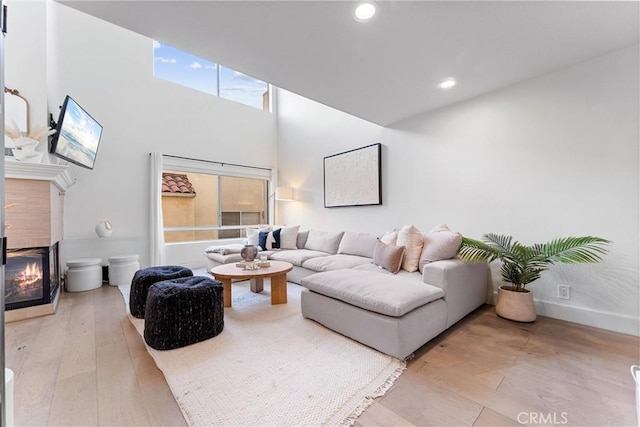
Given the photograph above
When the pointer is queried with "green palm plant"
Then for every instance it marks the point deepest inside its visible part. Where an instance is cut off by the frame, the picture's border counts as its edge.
(523, 264)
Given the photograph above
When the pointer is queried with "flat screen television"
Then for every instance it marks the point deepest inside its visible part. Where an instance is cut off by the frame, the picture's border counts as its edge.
(77, 135)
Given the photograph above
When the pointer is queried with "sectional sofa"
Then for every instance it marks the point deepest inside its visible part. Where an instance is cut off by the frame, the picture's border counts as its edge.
(346, 289)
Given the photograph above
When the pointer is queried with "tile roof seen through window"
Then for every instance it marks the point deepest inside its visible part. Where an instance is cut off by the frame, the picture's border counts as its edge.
(176, 183)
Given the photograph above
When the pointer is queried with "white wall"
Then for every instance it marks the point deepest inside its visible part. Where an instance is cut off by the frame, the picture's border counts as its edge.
(109, 71)
(553, 156)
(25, 44)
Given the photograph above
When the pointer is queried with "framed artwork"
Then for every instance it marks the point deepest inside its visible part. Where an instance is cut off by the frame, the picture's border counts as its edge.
(353, 178)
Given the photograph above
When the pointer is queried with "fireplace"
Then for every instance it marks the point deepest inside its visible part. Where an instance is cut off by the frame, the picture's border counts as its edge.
(32, 276)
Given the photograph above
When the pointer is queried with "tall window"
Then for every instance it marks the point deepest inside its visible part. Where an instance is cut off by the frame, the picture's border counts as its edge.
(208, 205)
(186, 69)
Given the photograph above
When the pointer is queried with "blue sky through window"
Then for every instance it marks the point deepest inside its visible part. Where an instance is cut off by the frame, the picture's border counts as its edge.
(198, 73)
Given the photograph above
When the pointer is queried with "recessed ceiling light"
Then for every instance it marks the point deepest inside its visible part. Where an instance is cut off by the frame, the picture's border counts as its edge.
(448, 83)
(364, 11)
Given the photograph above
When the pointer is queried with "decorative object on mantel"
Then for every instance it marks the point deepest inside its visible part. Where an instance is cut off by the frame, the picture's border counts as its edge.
(25, 146)
(104, 229)
(249, 252)
(522, 265)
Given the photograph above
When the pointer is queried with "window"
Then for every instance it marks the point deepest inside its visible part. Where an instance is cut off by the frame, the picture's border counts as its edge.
(201, 202)
(186, 69)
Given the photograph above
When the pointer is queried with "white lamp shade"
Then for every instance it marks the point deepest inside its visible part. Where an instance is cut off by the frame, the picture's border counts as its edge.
(284, 193)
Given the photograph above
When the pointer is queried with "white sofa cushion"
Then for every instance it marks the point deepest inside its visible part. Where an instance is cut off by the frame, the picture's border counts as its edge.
(323, 241)
(402, 273)
(302, 239)
(360, 244)
(296, 257)
(371, 291)
(335, 262)
(412, 240)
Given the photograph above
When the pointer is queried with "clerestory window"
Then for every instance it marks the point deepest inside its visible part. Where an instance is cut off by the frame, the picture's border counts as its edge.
(187, 69)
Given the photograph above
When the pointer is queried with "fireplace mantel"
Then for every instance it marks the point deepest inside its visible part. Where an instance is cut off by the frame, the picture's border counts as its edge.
(59, 175)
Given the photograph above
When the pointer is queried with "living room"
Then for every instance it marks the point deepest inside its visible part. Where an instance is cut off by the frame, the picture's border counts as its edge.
(555, 154)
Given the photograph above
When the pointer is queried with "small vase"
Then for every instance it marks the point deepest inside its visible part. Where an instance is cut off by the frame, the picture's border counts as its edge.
(248, 253)
(104, 229)
(514, 305)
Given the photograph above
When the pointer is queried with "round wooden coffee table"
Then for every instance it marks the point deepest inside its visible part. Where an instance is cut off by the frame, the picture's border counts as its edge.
(276, 271)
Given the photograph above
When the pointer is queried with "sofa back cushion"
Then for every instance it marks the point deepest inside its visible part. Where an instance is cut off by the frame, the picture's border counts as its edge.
(302, 239)
(360, 244)
(323, 241)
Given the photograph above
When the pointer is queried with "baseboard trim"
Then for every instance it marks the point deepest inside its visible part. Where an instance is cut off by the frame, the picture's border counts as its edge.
(586, 316)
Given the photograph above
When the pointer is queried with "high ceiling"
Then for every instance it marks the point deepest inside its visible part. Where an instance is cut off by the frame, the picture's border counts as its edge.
(387, 69)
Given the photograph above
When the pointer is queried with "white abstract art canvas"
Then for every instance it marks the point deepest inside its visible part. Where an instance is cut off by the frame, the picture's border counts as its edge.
(353, 178)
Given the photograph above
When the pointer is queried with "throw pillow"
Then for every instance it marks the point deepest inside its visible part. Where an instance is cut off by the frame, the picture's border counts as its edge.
(439, 245)
(388, 257)
(390, 237)
(440, 227)
(252, 235)
(411, 238)
(289, 237)
(269, 240)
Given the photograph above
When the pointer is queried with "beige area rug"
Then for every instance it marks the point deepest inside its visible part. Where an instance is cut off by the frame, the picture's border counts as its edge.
(272, 367)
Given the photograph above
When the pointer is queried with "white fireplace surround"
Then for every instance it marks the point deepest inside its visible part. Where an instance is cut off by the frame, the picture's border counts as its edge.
(60, 178)
(59, 175)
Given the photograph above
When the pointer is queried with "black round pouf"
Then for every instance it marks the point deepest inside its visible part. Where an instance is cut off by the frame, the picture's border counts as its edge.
(144, 278)
(183, 311)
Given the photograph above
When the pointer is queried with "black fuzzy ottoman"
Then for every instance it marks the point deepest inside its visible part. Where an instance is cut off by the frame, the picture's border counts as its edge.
(183, 311)
(144, 278)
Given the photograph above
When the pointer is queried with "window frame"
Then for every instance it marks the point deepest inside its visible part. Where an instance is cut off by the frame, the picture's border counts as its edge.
(210, 167)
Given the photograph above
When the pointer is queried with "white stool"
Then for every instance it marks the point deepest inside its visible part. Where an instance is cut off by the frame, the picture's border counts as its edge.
(84, 274)
(122, 268)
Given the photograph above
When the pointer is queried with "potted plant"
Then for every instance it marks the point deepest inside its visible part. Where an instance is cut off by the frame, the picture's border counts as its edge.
(522, 264)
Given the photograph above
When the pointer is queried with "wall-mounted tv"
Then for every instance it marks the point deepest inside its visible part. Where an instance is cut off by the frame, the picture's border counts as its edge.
(77, 135)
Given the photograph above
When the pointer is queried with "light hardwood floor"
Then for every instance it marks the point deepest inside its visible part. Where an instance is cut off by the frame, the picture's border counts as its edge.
(86, 365)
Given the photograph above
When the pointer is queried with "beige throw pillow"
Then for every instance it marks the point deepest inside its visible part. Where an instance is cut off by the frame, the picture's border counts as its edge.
(388, 257)
(390, 237)
(439, 244)
(411, 238)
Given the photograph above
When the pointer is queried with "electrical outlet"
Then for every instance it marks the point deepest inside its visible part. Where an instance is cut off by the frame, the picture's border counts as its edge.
(564, 292)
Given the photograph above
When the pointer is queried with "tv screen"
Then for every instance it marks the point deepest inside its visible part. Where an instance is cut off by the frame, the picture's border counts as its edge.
(77, 135)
